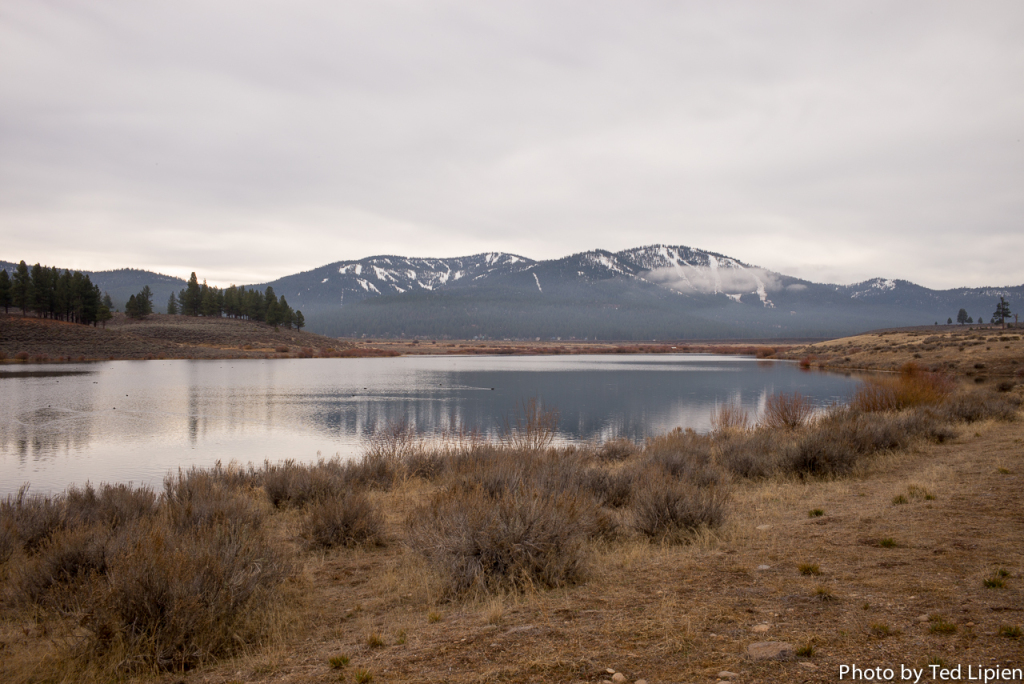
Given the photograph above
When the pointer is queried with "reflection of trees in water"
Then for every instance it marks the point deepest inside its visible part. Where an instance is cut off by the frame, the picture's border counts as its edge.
(44, 433)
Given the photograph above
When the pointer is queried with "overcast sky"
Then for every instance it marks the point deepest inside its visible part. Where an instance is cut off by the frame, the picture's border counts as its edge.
(834, 141)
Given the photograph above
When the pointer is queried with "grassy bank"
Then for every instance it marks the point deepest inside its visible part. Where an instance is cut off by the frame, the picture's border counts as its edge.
(37, 340)
(885, 530)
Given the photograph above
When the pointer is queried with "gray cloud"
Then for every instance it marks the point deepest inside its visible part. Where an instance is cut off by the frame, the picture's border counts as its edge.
(246, 140)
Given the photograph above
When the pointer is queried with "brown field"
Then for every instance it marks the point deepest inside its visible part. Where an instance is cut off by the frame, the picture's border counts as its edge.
(897, 544)
(157, 337)
(971, 351)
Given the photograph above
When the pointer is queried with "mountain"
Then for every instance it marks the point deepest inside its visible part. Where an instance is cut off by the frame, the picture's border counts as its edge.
(652, 292)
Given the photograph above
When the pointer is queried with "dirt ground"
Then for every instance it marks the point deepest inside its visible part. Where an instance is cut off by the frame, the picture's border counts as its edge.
(892, 583)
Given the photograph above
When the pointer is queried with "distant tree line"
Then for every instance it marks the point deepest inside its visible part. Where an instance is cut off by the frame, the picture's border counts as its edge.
(50, 293)
(235, 302)
(999, 317)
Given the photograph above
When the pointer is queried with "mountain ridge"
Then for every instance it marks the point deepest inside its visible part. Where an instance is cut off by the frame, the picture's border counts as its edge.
(656, 291)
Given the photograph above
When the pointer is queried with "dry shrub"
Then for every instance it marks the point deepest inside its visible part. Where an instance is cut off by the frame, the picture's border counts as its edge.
(9, 542)
(348, 519)
(173, 599)
(198, 499)
(755, 453)
(616, 450)
(668, 509)
(21, 356)
(281, 349)
(522, 539)
(530, 427)
(912, 387)
(786, 411)
(729, 417)
(765, 353)
(970, 407)
(685, 455)
(112, 505)
(32, 518)
(610, 488)
(292, 484)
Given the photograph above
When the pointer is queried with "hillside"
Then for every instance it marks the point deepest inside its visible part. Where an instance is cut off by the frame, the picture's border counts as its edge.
(159, 336)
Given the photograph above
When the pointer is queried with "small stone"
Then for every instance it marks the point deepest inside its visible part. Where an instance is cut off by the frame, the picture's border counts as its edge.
(809, 666)
(764, 567)
(725, 674)
(922, 618)
(619, 678)
(764, 527)
(771, 650)
(640, 681)
(760, 629)
(609, 670)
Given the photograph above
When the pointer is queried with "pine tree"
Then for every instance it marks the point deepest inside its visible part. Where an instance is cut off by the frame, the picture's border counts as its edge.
(172, 305)
(1002, 312)
(21, 287)
(949, 321)
(145, 301)
(108, 302)
(961, 316)
(300, 321)
(5, 291)
(192, 302)
(131, 309)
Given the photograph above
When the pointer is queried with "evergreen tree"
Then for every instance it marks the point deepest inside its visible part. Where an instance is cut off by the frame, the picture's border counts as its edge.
(300, 321)
(192, 301)
(970, 319)
(145, 301)
(5, 291)
(1002, 312)
(210, 305)
(285, 315)
(108, 302)
(949, 321)
(21, 287)
(172, 305)
(961, 316)
(131, 309)
(271, 307)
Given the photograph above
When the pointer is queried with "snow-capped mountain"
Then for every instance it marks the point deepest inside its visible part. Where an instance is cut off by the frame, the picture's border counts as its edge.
(663, 291)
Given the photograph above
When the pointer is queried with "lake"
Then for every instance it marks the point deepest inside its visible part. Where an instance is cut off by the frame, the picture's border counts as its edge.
(135, 421)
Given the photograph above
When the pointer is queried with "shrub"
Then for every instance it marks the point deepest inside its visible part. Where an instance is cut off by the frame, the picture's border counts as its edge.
(111, 506)
(518, 539)
(174, 599)
(281, 349)
(616, 450)
(786, 411)
(1011, 631)
(809, 569)
(971, 407)
(815, 513)
(729, 417)
(756, 453)
(530, 427)
(52, 576)
(912, 387)
(347, 519)
(667, 508)
(32, 518)
(21, 356)
(198, 498)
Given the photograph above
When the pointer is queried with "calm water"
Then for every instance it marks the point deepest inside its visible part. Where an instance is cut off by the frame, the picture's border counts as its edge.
(135, 421)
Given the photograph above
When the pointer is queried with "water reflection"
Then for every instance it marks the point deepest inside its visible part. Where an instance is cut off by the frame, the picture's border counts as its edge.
(135, 421)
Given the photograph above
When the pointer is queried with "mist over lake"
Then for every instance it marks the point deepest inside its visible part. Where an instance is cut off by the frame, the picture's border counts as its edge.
(135, 421)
